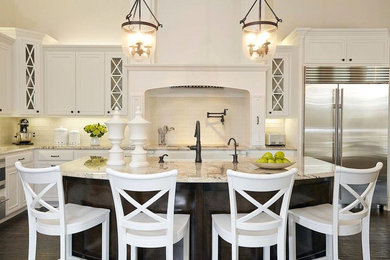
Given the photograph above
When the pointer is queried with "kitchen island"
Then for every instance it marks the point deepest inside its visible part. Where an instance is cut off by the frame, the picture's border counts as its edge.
(201, 191)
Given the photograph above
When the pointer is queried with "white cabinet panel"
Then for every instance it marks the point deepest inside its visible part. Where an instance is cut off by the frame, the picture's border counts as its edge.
(257, 120)
(55, 155)
(60, 83)
(83, 153)
(12, 190)
(368, 50)
(5, 78)
(90, 83)
(325, 50)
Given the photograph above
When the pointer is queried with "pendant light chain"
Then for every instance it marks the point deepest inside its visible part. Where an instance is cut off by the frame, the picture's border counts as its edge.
(137, 7)
(242, 21)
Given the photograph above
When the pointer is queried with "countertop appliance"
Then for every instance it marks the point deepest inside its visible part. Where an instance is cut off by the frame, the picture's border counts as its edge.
(275, 139)
(346, 119)
(23, 137)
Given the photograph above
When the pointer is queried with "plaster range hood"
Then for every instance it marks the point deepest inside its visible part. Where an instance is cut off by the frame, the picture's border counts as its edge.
(251, 78)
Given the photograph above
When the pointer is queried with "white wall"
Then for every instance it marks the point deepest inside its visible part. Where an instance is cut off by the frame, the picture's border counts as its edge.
(195, 31)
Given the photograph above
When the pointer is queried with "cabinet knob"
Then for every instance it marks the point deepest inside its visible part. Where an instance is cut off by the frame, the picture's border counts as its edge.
(78, 111)
(270, 112)
(37, 111)
(343, 59)
(1, 109)
(108, 112)
(350, 59)
(71, 111)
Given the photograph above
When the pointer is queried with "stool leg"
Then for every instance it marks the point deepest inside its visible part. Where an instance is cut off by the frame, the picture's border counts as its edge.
(32, 240)
(291, 239)
(214, 247)
(186, 243)
(68, 246)
(366, 238)
(169, 251)
(266, 253)
(329, 243)
(122, 246)
(133, 253)
(105, 238)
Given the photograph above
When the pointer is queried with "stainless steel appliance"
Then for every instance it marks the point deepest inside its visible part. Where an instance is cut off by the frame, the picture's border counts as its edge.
(23, 137)
(2, 188)
(275, 139)
(346, 118)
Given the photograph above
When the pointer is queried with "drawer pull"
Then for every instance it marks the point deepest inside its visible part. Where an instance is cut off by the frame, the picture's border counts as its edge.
(21, 159)
(54, 156)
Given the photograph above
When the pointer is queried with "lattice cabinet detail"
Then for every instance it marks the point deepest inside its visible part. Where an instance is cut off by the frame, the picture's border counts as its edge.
(115, 84)
(278, 89)
(30, 76)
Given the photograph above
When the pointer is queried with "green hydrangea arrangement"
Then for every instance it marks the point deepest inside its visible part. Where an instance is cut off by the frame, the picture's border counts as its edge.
(95, 130)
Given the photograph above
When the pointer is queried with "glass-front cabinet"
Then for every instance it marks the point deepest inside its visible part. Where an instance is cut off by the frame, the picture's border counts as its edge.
(278, 87)
(30, 77)
(116, 83)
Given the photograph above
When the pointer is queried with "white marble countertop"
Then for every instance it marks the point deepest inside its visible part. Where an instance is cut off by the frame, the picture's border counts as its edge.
(205, 172)
(5, 149)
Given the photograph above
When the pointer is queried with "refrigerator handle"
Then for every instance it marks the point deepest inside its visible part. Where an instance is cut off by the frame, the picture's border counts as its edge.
(336, 126)
(340, 143)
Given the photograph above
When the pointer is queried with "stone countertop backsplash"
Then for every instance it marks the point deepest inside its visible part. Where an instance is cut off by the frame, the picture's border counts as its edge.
(5, 149)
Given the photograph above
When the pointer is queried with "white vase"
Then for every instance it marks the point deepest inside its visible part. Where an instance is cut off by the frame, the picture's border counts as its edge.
(95, 141)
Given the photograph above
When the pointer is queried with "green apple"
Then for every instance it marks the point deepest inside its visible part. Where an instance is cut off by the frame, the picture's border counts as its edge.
(279, 160)
(279, 155)
(262, 160)
(285, 160)
(271, 161)
(267, 155)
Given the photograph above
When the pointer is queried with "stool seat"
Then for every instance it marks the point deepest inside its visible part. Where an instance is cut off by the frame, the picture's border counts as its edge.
(77, 218)
(246, 238)
(320, 219)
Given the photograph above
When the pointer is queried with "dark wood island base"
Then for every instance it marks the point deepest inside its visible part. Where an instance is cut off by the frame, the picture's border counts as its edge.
(200, 200)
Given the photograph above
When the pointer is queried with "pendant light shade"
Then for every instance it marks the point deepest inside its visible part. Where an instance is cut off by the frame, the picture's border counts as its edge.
(259, 37)
(139, 35)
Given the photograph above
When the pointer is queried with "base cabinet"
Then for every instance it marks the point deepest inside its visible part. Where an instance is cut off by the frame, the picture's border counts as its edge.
(14, 187)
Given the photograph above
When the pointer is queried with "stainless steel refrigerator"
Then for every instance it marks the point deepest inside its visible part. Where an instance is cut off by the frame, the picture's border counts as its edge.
(346, 118)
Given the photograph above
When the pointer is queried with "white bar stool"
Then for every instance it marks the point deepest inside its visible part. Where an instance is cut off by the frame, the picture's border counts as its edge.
(142, 227)
(63, 221)
(334, 220)
(261, 227)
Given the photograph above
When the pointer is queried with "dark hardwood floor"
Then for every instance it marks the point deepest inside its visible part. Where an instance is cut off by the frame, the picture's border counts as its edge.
(14, 240)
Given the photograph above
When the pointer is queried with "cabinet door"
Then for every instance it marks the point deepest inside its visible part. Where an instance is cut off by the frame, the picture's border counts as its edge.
(115, 83)
(278, 88)
(368, 50)
(5, 78)
(60, 83)
(11, 182)
(90, 83)
(30, 73)
(257, 120)
(325, 50)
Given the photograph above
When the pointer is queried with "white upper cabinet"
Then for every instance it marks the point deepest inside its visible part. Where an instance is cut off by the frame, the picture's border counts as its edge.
(325, 50)
(115, 83)
(84, 82)
(90, 83)
(343, 46)
(5, 74)
(279, 83)
(368, 50)
(60, 83)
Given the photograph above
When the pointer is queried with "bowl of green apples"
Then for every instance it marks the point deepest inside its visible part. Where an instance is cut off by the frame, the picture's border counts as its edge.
(273, 162)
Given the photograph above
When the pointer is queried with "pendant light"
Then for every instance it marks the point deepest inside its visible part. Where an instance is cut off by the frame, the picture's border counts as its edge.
(139, 35)
(259, 37)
